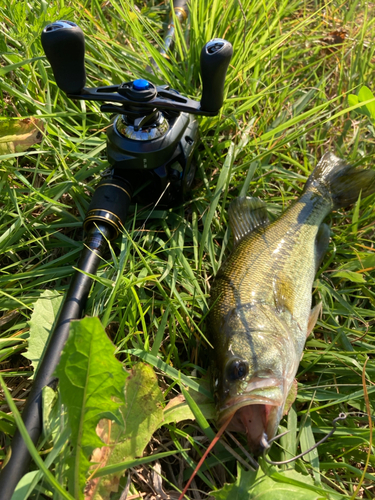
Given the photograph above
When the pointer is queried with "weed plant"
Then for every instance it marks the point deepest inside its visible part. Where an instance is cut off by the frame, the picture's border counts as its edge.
(286, 104)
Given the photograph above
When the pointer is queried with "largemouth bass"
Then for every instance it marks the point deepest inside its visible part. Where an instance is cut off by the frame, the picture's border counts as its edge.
(261, 298)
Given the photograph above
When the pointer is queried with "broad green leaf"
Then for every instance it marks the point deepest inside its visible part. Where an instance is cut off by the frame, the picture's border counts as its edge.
(365, 94)
(350, 275)
(92, 384)
(143, 414)
(256, 485)
(178, 410)
(240, 489)
(41, 324)
(352, 100)
(18, 135)
(51, 412)
(21, 491)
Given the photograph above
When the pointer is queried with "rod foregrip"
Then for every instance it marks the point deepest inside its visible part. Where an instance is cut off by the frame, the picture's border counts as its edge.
(215, 58)
(180, 4)
(64, 45)
(109, 205)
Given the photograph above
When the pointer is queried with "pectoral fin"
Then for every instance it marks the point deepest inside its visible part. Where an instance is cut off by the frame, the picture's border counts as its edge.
(313, 318)
(283, 293)
(245, 215)
(321, 244)
(291, 397)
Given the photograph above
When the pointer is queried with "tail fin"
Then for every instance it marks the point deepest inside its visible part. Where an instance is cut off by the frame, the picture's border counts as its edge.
(340, 181)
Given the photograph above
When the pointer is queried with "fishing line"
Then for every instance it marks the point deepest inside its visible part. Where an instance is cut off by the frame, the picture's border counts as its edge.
(267, 444)
(153, 209)
(244, 451)
(141, 228)
(238, 457)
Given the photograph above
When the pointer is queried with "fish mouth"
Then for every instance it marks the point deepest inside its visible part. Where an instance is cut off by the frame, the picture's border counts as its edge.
(255, 414)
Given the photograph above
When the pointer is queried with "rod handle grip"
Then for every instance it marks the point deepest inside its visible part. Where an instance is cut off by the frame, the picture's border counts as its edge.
(64, 45)
(215, 58)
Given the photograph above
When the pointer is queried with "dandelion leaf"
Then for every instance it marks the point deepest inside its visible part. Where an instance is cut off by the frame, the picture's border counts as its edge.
(278, 486)
(143, 414)
(41, 324)
(51, 413)
(143, 411)
(92, 384)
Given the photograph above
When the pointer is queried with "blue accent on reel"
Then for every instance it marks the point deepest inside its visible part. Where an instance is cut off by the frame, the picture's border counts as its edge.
(141, 84)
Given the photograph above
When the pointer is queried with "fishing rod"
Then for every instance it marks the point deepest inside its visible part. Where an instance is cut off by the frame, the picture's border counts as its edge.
(150, 145)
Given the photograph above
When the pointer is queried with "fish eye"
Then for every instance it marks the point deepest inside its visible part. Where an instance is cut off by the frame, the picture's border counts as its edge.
(237, 369)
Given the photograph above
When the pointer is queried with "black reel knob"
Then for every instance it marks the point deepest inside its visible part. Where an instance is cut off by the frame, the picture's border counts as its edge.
(215, 58)
(64, 45)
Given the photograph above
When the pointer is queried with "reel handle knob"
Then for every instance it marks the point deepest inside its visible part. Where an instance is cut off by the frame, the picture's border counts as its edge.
(215, 58)
(64, 45)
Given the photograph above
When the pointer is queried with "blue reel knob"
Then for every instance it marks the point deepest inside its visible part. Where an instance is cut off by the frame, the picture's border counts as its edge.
(141, 84)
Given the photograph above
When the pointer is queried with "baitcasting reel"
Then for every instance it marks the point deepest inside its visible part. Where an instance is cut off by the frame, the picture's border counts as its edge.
(151, 140)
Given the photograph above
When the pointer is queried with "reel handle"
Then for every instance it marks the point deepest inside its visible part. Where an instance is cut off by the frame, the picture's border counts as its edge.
(215, 58)
(64, 45)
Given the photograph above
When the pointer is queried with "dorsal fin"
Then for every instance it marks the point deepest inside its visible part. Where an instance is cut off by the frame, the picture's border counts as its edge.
(245, 215)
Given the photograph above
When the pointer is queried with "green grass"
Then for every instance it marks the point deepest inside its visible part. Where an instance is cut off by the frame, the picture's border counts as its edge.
(286, 99)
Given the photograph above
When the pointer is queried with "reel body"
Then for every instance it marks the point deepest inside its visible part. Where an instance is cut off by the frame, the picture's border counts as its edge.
(155, 159)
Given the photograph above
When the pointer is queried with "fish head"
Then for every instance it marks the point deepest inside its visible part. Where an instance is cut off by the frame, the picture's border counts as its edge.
(254, 371)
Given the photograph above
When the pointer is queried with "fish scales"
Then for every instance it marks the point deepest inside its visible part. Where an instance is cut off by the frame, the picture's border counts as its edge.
(261, 297)
(274, 250)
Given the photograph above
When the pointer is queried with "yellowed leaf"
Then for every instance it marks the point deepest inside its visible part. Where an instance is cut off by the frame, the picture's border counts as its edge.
(17, 136)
